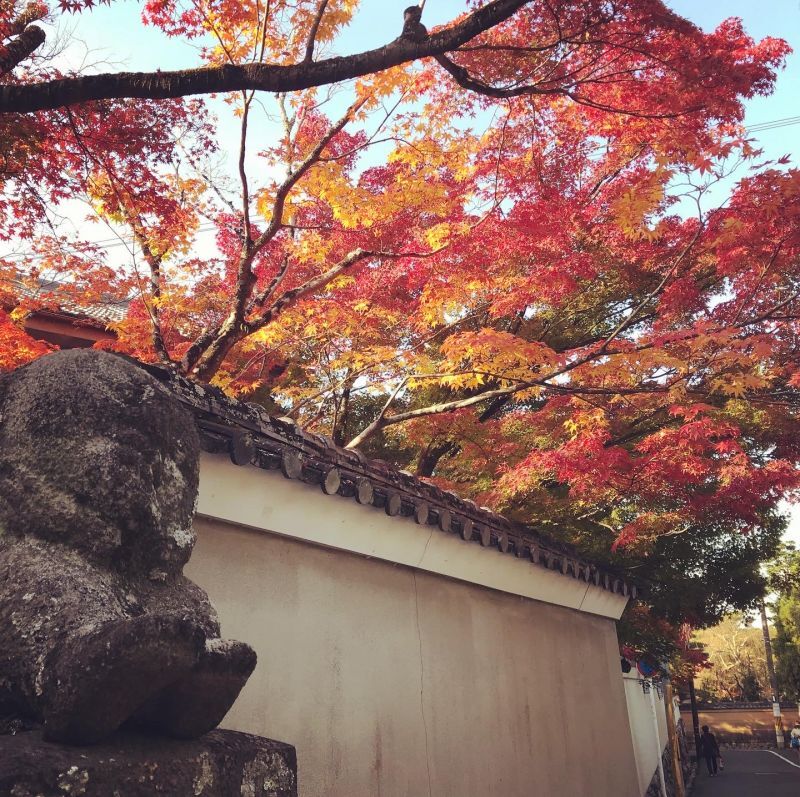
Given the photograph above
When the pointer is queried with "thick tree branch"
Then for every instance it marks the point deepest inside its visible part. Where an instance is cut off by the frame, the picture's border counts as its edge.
(259, 77)
(246, 241)
(433, 453)
(413, 28)
(153, 308)
(466, 81)
(213, 345)
(432, 409)
(17, 50)
(292, 295)
(378, 422)
(273, 285)
(33, 12)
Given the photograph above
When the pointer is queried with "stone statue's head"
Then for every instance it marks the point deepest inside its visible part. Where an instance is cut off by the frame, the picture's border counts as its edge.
(95, 454)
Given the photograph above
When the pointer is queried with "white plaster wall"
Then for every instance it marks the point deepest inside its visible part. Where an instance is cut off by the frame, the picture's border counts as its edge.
(259, 499)
(396, 682)
(643, 733)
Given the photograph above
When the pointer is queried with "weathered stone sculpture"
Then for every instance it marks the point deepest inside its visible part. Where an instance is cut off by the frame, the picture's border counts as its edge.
(98, 626)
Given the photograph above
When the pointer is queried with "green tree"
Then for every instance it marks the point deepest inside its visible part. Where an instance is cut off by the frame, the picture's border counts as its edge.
(787, 647)
(694, 579)
(701, 575)
(784, 581)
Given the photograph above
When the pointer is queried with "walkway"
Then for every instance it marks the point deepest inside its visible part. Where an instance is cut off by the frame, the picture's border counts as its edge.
(751, 773)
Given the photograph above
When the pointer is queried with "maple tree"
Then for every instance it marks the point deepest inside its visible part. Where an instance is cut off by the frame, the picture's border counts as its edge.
(490, 251)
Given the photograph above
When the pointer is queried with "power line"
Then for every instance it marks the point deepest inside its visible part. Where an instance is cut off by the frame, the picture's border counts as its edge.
(773, 125)
(104, 244)
(759, 127)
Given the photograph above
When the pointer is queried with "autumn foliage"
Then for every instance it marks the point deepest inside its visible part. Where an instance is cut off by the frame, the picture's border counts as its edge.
(512, 266)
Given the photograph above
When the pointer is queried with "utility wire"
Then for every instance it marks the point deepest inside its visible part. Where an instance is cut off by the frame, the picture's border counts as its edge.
(773, 125)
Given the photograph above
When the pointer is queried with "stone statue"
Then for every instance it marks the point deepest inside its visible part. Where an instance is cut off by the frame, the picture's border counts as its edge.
(98, 626)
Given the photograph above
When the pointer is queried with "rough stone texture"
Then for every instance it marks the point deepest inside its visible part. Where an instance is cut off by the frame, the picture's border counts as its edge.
(98, 626)
(221, 764)
(654, 789)
(689, 769)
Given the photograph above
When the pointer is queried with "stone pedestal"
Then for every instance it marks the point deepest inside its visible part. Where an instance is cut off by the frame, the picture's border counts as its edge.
(219, 764)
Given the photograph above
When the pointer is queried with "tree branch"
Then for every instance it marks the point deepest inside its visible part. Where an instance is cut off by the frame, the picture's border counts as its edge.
(17, 50)
(274, 284)
(153, 309)
(466, 81)
(260, 77)
(312, 34)
(291, 296)
(133, 219)
(378, 422)
(630, 319)
(33, 12)
(432, 409)
(217, 345)
(207, 352)
(246, 241)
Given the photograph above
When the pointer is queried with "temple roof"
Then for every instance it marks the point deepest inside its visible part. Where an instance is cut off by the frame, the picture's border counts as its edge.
(250, 436)
(54, 294)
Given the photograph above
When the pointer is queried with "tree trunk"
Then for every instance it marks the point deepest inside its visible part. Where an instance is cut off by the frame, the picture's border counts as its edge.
(429, 458)
(773, 680)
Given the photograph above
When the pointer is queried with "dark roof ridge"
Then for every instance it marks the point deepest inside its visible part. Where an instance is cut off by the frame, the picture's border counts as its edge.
(250, 435)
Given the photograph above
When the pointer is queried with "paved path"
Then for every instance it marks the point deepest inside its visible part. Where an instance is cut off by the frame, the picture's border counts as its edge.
(751, 773)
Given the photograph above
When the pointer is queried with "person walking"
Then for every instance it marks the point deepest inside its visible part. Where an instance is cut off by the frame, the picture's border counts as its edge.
(794, 739)
(710, 750)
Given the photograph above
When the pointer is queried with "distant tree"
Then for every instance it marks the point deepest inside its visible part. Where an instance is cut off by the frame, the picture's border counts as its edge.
(786, 646)
(751, 688)
(736, 657)
(784, 582)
